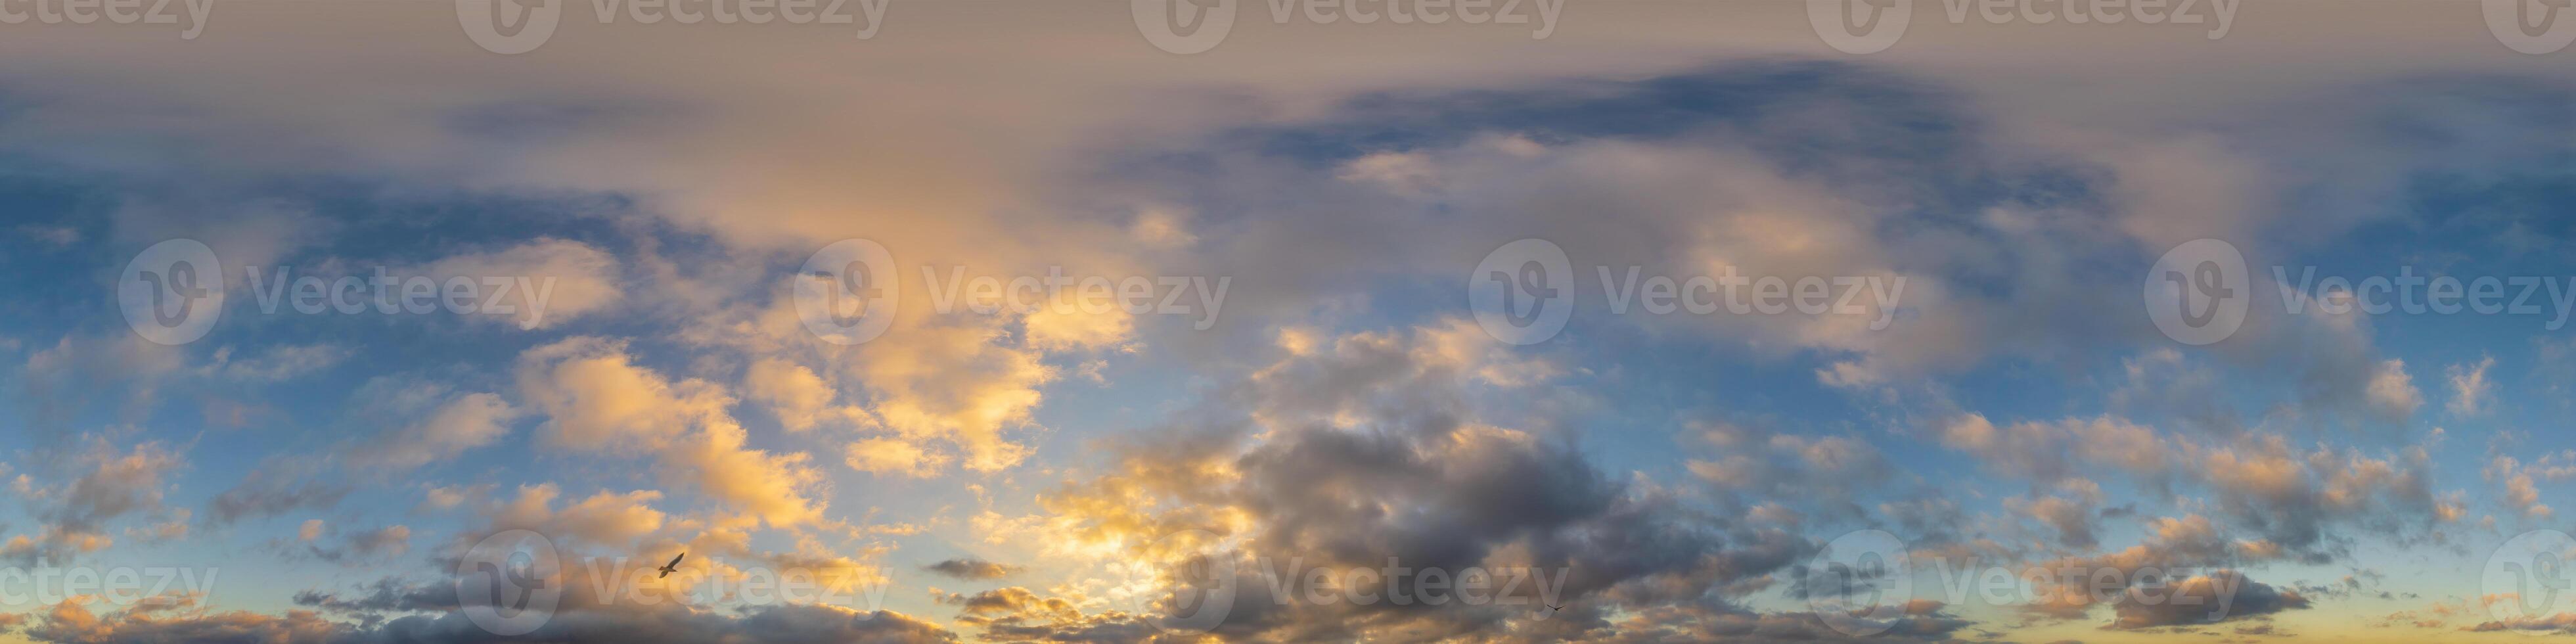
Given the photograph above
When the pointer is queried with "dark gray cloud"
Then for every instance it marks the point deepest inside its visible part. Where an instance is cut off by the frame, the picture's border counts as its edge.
(2206, 599)
(782, 624)
(278, 486)
(1393, 449)
(972, 569)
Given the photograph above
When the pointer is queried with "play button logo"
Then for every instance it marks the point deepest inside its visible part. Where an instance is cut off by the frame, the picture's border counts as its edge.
(509, 26)
(1184, 26)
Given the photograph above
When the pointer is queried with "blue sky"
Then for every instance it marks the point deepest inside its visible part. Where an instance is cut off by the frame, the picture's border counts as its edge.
(1065, 473)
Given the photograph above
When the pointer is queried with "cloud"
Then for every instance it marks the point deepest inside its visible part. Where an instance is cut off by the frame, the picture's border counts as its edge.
(551, 282)
(2052, 451)
(605, 518)
(280, 484)
(2203, 599)
(2471, 393)
(2521, 493)
(2071, 514)
(278, 364)
(2393, 392)
(2563, 623)
(1375, 446)
(970, 568)
(597, 399)
(72, 622)
(1825, 471)
(894, 456)
(464, 422)
(355, 549)
(797, 396)
(109, 484)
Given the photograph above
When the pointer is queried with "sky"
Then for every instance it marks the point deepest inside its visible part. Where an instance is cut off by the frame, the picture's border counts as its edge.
(343, 321)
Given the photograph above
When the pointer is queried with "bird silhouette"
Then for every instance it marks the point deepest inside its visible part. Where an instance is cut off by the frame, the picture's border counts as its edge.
(672, 567)
(1553, 608)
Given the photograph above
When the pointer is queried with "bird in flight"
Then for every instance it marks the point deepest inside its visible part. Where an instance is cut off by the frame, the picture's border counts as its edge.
(672, 567)
(1550, 608)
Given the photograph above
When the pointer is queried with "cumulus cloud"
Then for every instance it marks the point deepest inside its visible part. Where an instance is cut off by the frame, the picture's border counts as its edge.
(597, 399)
(72, 621)
(462, 423)
(1353, 447)
(799, 398)
(2521, 493)
(2393, 392)
(2204, 599)
(608, 518)
(373, 545)
(2471, 393)
(549, 282)
(1827, 471)
(276, 364)
(894, 456)
(971, 568)
(279, 485)
(1352, 450)
(107, 483)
